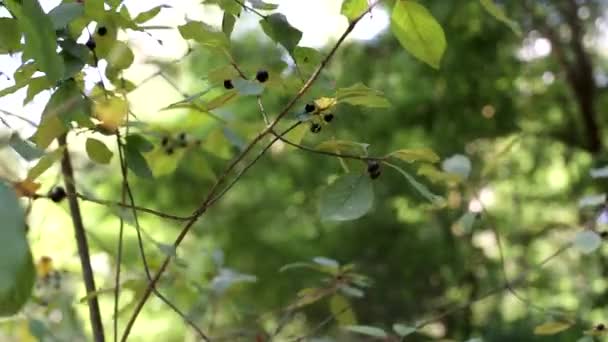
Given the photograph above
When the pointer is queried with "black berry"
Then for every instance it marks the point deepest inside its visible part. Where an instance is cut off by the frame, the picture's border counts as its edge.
(315, 128)
(169, 151)
(309, 108)
(164, 141)
(373, 169)
(102, 31)
(604, 234)
(228, 84)
(91, 44)
(328, 117)
(262, 76)
(374, 175)
(183, 141)
(600, 327)
(57, 194)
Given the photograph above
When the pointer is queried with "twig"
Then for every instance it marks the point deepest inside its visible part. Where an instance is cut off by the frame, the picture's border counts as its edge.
(142, 209)
(211, 194)
(123, 199)
(26, 120)
(249, 8)
(81, 241)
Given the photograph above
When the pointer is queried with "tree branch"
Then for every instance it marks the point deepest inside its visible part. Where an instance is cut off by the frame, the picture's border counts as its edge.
(81, 241)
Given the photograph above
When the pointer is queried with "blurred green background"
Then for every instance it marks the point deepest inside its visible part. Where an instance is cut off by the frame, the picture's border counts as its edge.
(529, 112)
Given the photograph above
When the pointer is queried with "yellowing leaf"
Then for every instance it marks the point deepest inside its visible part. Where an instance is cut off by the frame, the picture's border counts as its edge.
(551, 328)
(44, 163)
(342, 310)
(26, 188)
(361, 95)
(98, 151)
(308, 296)
(111, 112)
(120, 56)
(436, 175)
(44, 266)
(416, 154)
(325, 103)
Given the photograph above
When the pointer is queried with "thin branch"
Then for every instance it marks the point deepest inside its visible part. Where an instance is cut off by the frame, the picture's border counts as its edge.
(26, 120)
(81, 242)
(142, 209)
(249, 8)
(222, 178)
(123, 200)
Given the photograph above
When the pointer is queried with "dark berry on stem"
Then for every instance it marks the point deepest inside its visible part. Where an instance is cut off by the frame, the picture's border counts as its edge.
(182, 136)
(309, 108)
(600, 327)
(164, 141)
(262, 76)
(91, 44)
(57, 194)
(328, 117)
(375, 174)
(315, 128)
(169, 151)
(373, 166)
(102, 30)
(228, 84)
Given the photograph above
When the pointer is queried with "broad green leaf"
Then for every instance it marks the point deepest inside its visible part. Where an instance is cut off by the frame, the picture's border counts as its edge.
(228, 6)
(367, 330)
(50, 128)
(24, 73)
(342, 310)
(64, 14)
(261, 5)
(35, 86)
(204, 35)
(228, 21)
(360, 95)
(344, 147)
(279, 30)
(247, 87)
(40, 39)
(411, 155)
(120, 56)
(136, 162)
(139, 142)
(148, 15)
(418, 31)
(352, 9)
(421, 188)
(327, 262)
(18, 85)
(551, 328)
(10, 35)
(94, 9)
(44, 164)
(98, 151)
(499, 14)
(17, 272)
(307, 59)
(347, 198)
(403, 330)
(587, 241)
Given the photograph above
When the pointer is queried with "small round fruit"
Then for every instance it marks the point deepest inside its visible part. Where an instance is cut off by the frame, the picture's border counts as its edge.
(309, 108)
(57, 194)
(228, 84)
(374, 175)
(164, 141)
(315, 128)
(262, 76)
(600, 327)
(102, 31)
(372, 166)
(328, 117)
(91, 44)
(169, 151)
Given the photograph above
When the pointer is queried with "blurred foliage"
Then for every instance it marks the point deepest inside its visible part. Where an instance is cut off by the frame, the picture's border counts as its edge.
(262, 262)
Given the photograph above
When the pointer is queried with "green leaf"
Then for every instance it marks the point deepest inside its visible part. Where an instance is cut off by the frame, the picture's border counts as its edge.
(148, 15)
(228, 6)
(261, 5)
(411, 155)
(342, 310)
(349, 197)
(307, 59)
(551, 328)
(94, 9)
(367, 330)
(10, 35)
(279, 30)
(204, 35)
(403, 330)
(40, 39)
(98, 151)
(44, 164)
(360, 95)
(139, 142)
(136, 162)
(120, 56)
(308, 296)
(228, 21)
(418, 31)
(327, 262)
(35, 86)
(247, 87)
(421, 188)
(587, 241)
(17, 273)
(64, 13)
(499, 14)
(352, 9)
(344, 147)
(458, 164)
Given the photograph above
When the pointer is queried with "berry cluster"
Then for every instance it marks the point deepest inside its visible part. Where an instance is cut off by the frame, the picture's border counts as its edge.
(315, 126)
(91, 44)
(181, 140)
